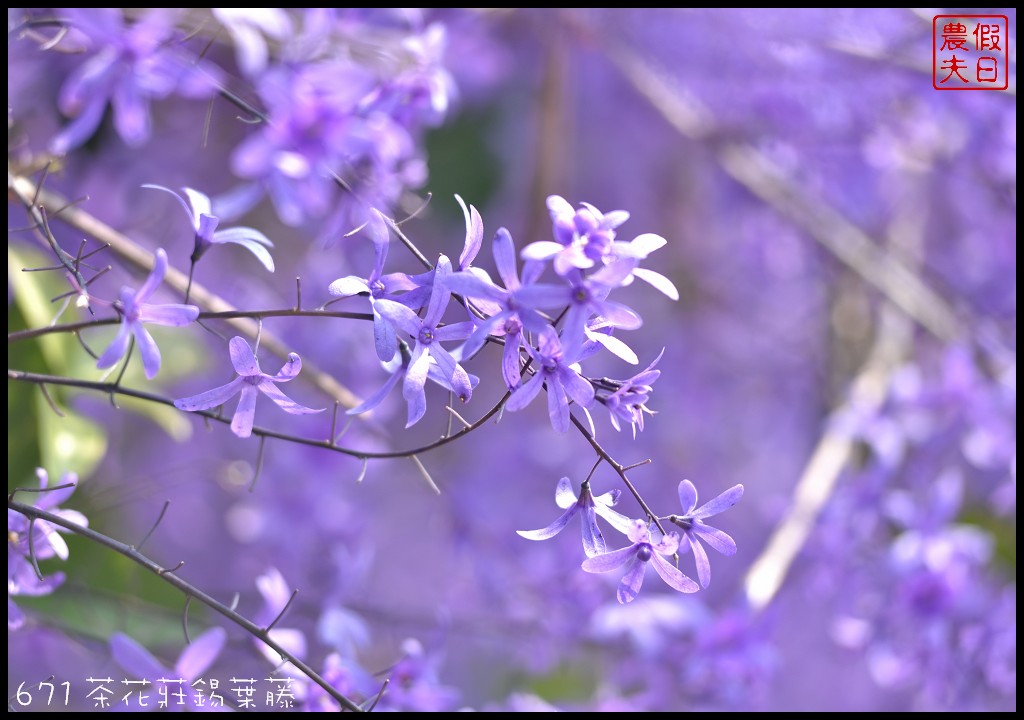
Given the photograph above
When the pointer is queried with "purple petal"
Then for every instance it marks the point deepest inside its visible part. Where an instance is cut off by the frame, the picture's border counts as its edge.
(553, 529)
(614, 274)
(197, 657)
(135, 659)
(148, 349)
(504, 251)
(609, 561)
(156, 276)
(558, 406)
(473, 286)
(510, 361)
(616, 347)
(378, 397)
(658, 281)
(579, 389)
(81, 128)
(199, 203)
(117, 348)
(543, 296)
(399, 315)
(525, 394)
(671, 575)
(668, 544)
(440, 295)
(453, 373)
(629, 586)
(613, 219)
(412, 388)
(242, 358)
(616, 519)
(348, 286)
(558, 206)
(385, 341)
(245, 413)
(564, 495)
(541, 250)
(593, 540)
(719, 504)
(290, 370)
(273, 588)
(268, 388)
(474, 234)
(714, 537)
(191, 215)
(398, 282)
(701, 558)
(687, 497)
(618, 315)
(252, 240)
(479, 336)
(206, 230)
(172, 315)
(210, 398)
(131, 113)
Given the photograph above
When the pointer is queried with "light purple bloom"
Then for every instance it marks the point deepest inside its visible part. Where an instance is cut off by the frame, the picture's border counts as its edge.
(582, 237)
(135, 311)
(250, 382)
(636, 558)
(694, 529)
(590, 507)
(429, 335)
(628, 403)
(195, 659)
(47, 543)
(133, 63)
(377, 286)
(276, 594)
(555, 369)
(204, 223)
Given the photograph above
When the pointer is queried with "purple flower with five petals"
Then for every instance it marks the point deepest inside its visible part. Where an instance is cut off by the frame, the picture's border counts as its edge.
(629, 401)
(590, 507)
(554, 368)
(135, 311)
(637, 557)
(250, 382)
(204, 223)
(378, 286)
(194, 660)
(429, 334)
(694, 529)
(582, 237)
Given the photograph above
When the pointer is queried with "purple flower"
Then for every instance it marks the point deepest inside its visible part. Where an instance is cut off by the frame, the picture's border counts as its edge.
(628, 402)
(47, 543)
(591, 507)
(378, 286)
(135, 311)
(636, 557)
(694, 529)
(247, 27)
(508, 318)
(582, 237)
(276, 594)
(194, 660)
(429, 335)
(132, 64)
(204, 223)
(250, 380)
(563, 380)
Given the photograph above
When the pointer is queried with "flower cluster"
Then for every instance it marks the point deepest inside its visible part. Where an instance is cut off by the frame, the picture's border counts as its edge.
(46, 542)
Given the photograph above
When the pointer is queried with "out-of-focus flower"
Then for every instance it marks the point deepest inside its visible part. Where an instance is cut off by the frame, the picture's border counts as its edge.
(249, 28)
(692, 524)
(195, 659)
(636, 557)
(415, 686)
(133, 64)
(135, 311)
(250, 382)
(590, 507)
(47, 543)
(558, 371)
(204, 223)
(276, 594)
